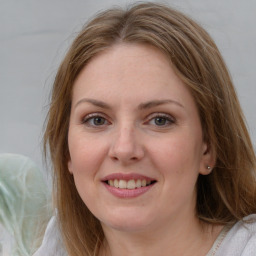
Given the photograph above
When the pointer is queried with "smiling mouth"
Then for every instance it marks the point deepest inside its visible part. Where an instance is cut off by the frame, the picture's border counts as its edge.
(129, 184)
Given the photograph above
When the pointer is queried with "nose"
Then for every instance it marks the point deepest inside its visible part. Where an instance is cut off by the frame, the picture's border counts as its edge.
(126, 147)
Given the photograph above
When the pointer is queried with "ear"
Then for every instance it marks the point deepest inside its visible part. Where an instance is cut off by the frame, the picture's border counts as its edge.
(208, 159)
(70, 166)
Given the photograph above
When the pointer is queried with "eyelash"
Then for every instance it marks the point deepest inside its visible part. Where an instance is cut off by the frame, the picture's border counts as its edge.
(86, 120)
(169, 120)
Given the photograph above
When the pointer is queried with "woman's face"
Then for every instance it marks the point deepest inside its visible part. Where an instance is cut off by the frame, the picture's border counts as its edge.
(135, 140)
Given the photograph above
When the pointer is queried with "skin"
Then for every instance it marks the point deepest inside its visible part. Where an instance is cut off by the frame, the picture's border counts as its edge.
(113, 129)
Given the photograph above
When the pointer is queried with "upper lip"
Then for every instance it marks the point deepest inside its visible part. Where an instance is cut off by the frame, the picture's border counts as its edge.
(127, 176)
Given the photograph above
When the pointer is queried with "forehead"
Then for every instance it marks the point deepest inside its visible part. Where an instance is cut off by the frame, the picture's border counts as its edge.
(122, 58)
(134, 71)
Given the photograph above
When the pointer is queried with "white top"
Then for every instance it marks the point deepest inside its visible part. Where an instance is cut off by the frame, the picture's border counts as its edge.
(52, 244)
(238, 240)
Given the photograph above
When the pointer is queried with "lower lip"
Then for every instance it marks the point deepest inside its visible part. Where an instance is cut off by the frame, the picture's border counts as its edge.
(127, 193)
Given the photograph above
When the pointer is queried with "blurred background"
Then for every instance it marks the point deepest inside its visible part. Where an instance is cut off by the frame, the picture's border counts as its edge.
(34, 36)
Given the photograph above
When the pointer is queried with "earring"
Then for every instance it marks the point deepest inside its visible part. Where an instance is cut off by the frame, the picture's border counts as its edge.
(208, 167)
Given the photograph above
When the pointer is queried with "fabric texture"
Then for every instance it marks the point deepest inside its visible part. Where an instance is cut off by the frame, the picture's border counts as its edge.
(52, 244)
(238, 240)
(24, 208)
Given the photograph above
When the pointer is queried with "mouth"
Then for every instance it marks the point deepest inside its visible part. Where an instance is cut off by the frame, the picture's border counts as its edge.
(123, 185)
(129, 184)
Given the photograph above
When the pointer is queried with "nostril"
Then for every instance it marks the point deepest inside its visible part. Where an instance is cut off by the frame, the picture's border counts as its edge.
(115, 158)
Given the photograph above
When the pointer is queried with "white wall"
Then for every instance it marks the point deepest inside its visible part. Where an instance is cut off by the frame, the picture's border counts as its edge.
(35, 34)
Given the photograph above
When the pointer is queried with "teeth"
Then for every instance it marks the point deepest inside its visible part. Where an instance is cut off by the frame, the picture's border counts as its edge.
(138, 183)
(122, 184)
(116, 183)
(130, 184)
(111, 183)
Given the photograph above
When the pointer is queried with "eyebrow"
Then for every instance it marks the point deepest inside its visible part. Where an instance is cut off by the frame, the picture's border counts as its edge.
(155, 103)
(146, 105)
(94, 102)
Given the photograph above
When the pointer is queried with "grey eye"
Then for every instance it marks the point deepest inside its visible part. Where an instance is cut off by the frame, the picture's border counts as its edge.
(160, 121)
(94, 121)
(98, 121)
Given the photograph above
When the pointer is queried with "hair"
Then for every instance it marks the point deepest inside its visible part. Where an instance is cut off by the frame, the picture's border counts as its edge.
(227, 194)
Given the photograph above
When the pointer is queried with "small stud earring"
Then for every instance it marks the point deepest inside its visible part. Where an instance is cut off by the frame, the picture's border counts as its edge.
(208, 167)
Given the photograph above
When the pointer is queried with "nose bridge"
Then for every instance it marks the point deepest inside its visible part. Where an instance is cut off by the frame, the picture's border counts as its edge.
(125, 139)
(126, 145)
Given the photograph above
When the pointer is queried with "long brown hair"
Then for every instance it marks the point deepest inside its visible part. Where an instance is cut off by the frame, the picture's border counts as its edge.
(229, 192)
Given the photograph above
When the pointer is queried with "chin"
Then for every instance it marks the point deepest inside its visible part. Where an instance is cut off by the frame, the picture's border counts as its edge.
(130, 227)
(127, 221)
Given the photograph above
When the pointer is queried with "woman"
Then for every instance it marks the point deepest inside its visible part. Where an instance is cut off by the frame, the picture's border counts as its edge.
(150, 150)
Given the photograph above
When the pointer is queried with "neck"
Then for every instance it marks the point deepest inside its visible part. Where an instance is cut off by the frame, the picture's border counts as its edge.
(188, 238)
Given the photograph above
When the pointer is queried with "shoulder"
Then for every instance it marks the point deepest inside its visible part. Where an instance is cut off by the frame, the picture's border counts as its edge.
(52, 243)
(240, 240)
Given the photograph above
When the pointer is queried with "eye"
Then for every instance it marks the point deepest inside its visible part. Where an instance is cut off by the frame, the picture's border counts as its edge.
(95, 120)
(161, 120)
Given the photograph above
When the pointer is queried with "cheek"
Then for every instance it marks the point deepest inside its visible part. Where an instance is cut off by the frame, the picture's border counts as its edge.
(85, 154)
(178, 155)
(86, 159)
